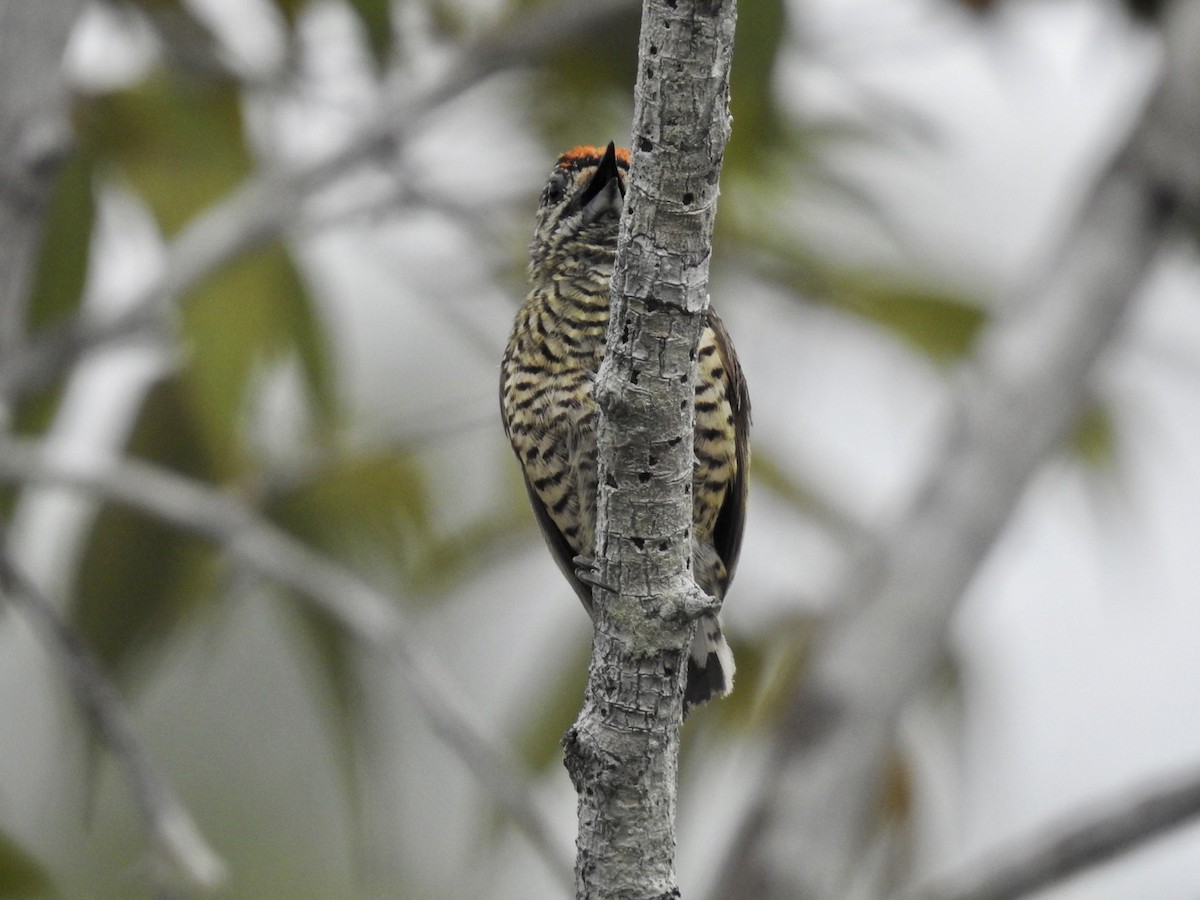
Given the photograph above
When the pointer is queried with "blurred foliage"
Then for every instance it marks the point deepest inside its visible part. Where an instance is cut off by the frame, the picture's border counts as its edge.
(1094, 438)
(177, 141)
(539, 738)
(62, 269)
(938, 323)
(378, 499)
(179, 144)
(375, 17)
(138, 581)
(21, 876)
(934, 322)
(758, 125)
(586, 81)
(253, 312)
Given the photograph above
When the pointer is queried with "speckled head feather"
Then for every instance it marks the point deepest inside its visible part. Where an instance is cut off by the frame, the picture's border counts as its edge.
(579, 214)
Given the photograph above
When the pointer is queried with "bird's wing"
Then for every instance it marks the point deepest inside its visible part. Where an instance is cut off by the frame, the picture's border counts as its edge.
(727, 535)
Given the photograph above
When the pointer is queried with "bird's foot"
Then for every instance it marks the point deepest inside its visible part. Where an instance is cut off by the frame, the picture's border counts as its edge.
(586, 570)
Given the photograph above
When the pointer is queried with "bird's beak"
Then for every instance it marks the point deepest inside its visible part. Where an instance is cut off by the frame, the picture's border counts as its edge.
(604, 192)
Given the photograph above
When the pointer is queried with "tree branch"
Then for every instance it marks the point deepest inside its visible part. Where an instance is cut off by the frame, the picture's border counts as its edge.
(1089, 839)
(166, 818)
(366, 612)
(34, 139)
(267, 204)
(1024, 390)
(622, 751)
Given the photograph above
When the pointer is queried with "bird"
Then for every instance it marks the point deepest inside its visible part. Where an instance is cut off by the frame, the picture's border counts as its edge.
(547, 376)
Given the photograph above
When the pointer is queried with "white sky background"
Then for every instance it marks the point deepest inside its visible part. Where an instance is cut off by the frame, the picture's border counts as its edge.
(1077, 642)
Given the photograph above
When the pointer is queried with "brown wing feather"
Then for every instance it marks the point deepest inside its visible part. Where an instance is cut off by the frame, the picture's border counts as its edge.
(727, 534)
(563, 555)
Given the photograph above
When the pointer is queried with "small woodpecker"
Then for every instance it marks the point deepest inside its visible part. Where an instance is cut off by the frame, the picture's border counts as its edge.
(546, 380)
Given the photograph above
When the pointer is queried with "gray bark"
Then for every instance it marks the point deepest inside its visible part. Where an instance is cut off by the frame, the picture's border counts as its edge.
(35, 137)
(622, 751)
(812, 814)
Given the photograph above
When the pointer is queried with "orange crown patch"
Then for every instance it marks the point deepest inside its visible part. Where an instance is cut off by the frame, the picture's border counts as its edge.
(578, 157)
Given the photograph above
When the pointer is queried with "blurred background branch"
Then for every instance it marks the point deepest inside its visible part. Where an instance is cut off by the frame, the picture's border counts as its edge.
(1086, 839)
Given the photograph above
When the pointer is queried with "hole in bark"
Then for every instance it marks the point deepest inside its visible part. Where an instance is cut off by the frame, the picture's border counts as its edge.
(643, 477)
(674, 442)
(664, 546)
(640, 543)
(652, 304)
(672, 3)
(683, 404)
(633, 377)
(688, 198)
(610, 481)
(645, 144)
(653, 50)
(652, 461)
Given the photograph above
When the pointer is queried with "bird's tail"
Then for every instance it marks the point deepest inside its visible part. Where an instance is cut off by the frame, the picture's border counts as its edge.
(710, 664)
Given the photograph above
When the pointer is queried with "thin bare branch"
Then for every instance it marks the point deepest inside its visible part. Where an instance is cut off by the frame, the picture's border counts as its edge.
(1085, 840)
(366, 612)
(1023, 391)
(170, 825)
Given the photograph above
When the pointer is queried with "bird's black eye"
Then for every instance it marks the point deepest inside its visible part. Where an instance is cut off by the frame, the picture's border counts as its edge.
(555, 189)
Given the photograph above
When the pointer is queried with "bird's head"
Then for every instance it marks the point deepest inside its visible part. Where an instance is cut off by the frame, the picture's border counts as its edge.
(580, 208)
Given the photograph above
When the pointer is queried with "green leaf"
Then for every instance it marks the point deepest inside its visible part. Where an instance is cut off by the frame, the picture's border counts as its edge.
(539, 740)
(255, 311)
(66, 243)
(370, 501)
(940, 326)
(290, 10)
(757, 125)
(178, 142)
(21, 876)
(140, 580)
(1094, 438)
(584, 91)
(448, 561)
(939, 323)
(376, 17)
